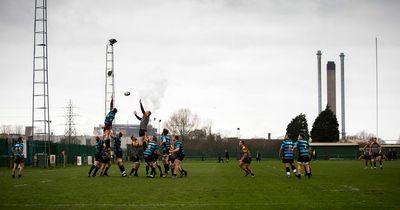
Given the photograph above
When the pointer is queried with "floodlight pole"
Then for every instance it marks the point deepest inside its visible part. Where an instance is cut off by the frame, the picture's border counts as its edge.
(109, 77)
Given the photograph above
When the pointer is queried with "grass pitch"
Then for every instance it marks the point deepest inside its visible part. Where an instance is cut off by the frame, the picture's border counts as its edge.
(209, 185)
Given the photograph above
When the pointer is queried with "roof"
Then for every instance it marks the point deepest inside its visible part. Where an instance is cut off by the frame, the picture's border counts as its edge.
(333, 144)
(391, 145)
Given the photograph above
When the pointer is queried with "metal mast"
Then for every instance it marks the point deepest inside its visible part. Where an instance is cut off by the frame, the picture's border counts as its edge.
(40, 98)
(109, 83)
(343, 95)
(319, 82)
(70, 131)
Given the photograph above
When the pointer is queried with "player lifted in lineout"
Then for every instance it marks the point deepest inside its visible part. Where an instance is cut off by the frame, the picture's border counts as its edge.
(144, 121)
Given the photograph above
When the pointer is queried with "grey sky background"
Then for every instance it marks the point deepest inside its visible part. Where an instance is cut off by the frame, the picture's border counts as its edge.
(248, 64)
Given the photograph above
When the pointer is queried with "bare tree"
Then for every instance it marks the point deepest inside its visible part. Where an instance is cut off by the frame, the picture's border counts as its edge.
(18, 129)
(5, 129)
(182, 122)
(207, 126)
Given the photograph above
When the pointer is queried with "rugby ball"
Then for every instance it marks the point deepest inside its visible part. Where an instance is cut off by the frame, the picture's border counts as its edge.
(127, 93)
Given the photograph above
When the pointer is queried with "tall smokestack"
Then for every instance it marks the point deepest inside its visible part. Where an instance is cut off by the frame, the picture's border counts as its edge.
(319, 82)
(331, 82)
(342, 89)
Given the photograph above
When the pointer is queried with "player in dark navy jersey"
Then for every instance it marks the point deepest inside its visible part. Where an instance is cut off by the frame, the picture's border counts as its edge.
(376, 149)
(135, 149)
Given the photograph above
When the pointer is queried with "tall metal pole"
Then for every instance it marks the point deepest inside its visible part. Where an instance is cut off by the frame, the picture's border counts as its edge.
(110, 74)
(343, 96)
(376, 82)
(319, 82)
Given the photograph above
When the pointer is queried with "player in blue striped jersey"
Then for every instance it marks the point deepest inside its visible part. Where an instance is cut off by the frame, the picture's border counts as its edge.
(18, 150)
(108, 122)
(165, 145)
(150, 155)
(97, 157)
(287, 155)
(303, 149)
(118, 153)
(177, 154)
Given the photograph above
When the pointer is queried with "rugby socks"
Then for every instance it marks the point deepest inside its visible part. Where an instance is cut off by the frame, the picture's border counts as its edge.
(153, 171)
(166, 168)
(293, 168)
(95, 171)
(287, 171)
(122, 169)
(132, 170)
(374, 164)
(91, 169)
(147, 170)
(380, 164)
(105, 171)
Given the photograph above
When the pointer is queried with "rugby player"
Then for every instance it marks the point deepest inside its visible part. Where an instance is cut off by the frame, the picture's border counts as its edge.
(118, 153)
(165, 145)
(106, 156)
(144, 121)
(376, 152)
(178, 154)
(149, 156)
(245, 159)
(367, 156)
(18, 150)
(303, 156)
(97, 157)
(286, 155)
(135, 156)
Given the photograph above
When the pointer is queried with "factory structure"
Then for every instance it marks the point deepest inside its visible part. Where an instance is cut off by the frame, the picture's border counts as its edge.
(331, 88)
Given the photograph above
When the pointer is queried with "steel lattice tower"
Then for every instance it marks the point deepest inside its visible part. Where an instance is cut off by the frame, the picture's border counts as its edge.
(40, 99)
(70, 131)
(110, 73)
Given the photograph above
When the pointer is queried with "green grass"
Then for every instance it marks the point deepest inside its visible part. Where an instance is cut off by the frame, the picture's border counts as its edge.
(334, 185)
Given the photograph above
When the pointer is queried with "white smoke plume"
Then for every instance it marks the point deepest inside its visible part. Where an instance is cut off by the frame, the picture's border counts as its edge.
(153, 93)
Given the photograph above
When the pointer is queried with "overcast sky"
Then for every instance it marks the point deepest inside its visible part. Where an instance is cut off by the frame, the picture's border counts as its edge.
(250, 64)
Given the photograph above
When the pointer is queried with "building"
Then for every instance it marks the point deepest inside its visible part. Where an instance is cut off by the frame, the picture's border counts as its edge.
(331, 83)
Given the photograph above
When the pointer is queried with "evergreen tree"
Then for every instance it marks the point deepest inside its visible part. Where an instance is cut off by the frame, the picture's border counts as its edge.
(296, 126)
(325, 127)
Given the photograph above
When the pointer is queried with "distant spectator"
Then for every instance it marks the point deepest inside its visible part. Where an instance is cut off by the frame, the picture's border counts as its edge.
(258, 157)
(226, 155)
(220, 159)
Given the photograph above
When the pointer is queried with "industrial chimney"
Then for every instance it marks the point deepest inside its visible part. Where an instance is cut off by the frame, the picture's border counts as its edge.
(331, 82)
(319, 82)
(342, 97)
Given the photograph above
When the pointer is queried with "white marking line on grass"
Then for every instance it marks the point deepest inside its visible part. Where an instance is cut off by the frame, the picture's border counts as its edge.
(20, 185)
(142, 205)
(345, 188)
(45, 181)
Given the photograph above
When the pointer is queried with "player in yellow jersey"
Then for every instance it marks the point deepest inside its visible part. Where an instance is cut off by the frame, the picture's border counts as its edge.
(245, 159)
